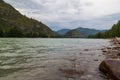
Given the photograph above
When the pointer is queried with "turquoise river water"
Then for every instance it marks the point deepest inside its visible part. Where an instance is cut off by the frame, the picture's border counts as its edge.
(51, 59)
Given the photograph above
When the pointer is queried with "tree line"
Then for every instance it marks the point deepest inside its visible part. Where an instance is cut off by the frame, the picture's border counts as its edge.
(113, 32)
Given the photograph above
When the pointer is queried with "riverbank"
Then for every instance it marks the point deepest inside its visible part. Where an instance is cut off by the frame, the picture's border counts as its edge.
(112, 51)
(111, 65)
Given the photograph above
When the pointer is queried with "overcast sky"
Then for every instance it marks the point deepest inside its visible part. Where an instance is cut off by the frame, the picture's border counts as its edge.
(58, 14)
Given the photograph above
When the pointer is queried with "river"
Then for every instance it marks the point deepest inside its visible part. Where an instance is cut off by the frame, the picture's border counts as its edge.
(51, 59)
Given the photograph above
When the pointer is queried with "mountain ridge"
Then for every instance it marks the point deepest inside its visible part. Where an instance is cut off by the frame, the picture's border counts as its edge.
(85, 31)
(14, 24)
(74, 34)
(62, 31)
(111, 33)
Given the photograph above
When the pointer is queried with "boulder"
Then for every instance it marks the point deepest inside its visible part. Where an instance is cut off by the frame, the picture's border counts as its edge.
(111, 68)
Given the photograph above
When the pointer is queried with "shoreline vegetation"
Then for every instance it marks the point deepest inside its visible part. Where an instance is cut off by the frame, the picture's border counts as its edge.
(111, 33)
(111, 65)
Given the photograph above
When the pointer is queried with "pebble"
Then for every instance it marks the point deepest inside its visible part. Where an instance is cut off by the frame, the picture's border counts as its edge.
(96, 60)
(70, 79)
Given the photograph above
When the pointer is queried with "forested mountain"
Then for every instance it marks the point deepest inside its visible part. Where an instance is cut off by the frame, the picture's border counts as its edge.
(114, 31)
(14, 24)
(85, 31)
(88, 31)
(62, 31)
(74, 34)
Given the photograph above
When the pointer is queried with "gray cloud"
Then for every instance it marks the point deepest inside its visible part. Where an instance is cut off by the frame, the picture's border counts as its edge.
(99, 14)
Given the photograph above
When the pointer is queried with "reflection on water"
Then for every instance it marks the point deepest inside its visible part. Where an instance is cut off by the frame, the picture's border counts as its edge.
(50, 59)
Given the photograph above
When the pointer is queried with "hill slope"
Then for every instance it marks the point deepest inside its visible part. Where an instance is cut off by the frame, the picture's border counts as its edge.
(85, 31)
(88, 31)
(14, 24)
(62, 31)
(74, 34)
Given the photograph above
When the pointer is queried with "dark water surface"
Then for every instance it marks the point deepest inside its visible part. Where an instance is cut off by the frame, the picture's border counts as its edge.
(51, 59)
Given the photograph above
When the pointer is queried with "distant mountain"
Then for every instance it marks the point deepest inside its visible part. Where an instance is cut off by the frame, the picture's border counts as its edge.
(74, 34)
(14, 24)
(85, 31)
(62, 31)
(88, 31)
(111, 33)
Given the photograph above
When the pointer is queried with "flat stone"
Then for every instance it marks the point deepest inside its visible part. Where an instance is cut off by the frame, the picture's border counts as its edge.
(96, 60)
(86, 49)
(104, 51)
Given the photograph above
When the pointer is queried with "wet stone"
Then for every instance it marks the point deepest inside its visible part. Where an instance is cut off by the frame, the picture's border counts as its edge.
(96, 60)
(111, 68)
(70, 79)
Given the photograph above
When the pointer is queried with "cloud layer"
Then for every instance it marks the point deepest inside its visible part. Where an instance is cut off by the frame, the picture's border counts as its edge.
(98, 14)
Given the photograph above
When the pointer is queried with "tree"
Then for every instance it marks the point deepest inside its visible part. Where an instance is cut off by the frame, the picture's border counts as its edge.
(113, 32)
(15, 32)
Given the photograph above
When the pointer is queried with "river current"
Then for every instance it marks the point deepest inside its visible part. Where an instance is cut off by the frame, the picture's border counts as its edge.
(51, 59)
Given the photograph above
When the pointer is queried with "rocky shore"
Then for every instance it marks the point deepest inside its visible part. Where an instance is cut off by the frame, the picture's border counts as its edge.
(111, 66)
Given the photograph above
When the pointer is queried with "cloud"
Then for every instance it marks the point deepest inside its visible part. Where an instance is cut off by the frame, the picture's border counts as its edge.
(104, 22)
(70, 13)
